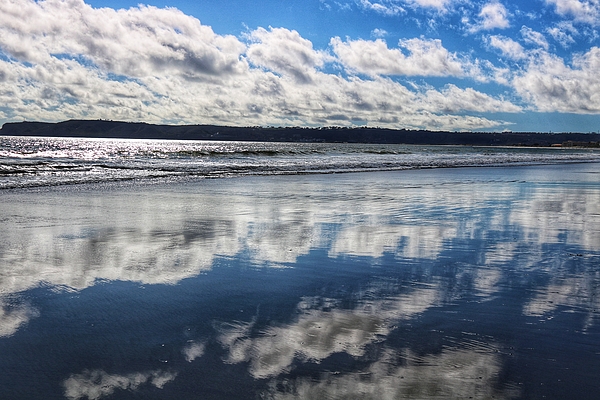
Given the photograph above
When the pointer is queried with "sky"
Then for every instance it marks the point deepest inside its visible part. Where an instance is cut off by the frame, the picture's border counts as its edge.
(459, 65)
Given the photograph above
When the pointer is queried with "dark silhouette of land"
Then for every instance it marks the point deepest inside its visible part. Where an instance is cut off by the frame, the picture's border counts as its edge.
(140, 130)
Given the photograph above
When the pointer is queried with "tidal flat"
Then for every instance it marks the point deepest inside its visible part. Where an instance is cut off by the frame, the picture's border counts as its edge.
(429, 283)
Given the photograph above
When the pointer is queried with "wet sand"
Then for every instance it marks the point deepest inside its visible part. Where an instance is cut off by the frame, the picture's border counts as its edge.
(447, 283)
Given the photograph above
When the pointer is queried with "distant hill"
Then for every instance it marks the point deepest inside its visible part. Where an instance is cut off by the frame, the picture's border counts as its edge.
(139, 130)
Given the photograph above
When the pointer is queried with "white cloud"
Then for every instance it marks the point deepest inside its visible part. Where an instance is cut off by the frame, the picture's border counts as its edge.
(343, 6)
(395, 7)
(437, 4)
(326, 5)
(426, 57)
(137, 42)
(533, 37)
(452, 98)
(582, 11)
(493, 15)
(378, 33)
(508, 47)
(385, 7)
(563, 33)
(162, 66)
(552, 86)
(285, 52)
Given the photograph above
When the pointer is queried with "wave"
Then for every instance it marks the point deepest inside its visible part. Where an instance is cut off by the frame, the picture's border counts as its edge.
(31, 162)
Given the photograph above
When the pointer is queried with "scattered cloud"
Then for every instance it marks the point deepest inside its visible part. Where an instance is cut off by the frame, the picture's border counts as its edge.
(162, 66)
(325, 5)
(425, 57)
(534, 38)
(343, 6)
(452, 99)
(439, 4)
(564, 33)
(397, 7)
(378, 33)
(385, 7)
(492, 16)
(508, 47)
(67, 59)
(551, 85)
(581, 11)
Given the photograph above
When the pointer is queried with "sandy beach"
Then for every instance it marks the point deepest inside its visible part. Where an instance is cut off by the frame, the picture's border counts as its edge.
(431, 283)
(312, 200)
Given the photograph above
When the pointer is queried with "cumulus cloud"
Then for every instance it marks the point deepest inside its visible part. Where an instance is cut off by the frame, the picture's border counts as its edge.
(564, 33)
(66, 59)
(552, 86)
(425, 57)
(508, 47)
(581, 11)
(534, 38)
(452, 98)
(284, 52)
(137, 42)
(493, 15)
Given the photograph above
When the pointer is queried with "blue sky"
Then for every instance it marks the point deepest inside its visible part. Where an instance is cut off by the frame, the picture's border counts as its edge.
(433, 64)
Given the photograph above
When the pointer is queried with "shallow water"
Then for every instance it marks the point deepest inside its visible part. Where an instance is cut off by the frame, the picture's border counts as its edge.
(27, 162)
(446, 283)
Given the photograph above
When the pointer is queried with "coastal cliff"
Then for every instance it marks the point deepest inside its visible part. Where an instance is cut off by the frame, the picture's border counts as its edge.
(140, 130)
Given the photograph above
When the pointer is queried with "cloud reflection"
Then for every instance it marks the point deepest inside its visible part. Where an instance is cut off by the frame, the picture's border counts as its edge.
(404, 240)
(193, 350)
(453, 374)
(96, 384)
(161, 236)
(14, 315)
(573, 292)
(321, 329)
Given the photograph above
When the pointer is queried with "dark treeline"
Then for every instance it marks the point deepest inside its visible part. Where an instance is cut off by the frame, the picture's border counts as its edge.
(139, 130)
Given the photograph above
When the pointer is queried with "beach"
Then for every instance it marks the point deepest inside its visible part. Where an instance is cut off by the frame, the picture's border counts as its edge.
(474, 282)
(319, 199)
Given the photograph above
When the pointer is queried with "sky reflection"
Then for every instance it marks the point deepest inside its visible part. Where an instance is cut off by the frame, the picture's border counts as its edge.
(453, 374)
(406, 284)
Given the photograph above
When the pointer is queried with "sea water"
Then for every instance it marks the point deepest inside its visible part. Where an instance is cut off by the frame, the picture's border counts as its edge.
(30, 162)
(475, 282)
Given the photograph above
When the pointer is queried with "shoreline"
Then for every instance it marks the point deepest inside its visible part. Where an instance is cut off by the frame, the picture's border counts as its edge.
(175, 181)
(255, 281)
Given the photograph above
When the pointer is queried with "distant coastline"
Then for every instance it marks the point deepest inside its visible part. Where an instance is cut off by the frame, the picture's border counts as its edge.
(141, 130)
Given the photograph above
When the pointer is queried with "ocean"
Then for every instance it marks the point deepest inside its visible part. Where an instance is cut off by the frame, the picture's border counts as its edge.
(31, 162)
(421, 272)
